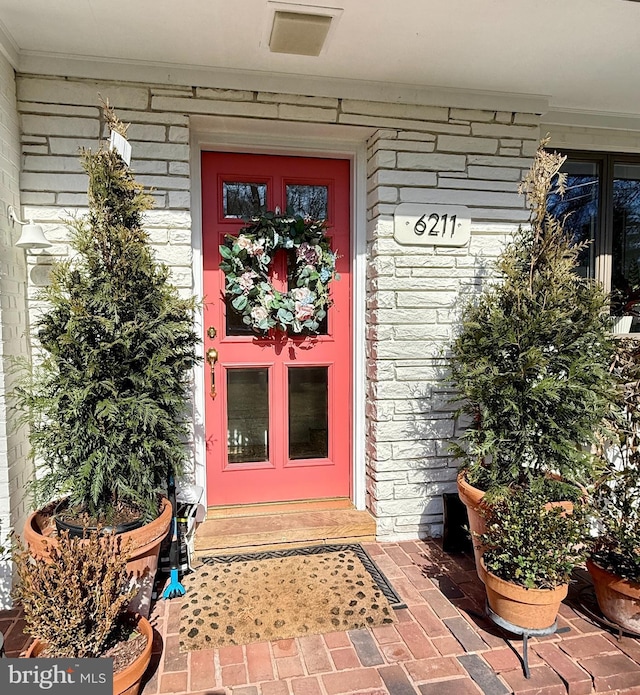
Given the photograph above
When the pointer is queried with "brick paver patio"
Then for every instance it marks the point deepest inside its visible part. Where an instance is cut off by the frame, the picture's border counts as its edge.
(440, 645)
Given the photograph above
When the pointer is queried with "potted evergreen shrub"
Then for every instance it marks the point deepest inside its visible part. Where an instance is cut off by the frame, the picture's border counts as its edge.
(531, 363)
(75, 606)
(531, 549)
(107, 401)
(614, 563)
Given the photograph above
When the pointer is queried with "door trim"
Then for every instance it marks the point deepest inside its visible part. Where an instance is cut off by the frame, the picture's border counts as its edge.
(311, 140)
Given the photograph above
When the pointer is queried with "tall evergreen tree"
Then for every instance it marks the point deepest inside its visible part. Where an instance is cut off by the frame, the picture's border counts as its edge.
(532, 359)
(108, 403)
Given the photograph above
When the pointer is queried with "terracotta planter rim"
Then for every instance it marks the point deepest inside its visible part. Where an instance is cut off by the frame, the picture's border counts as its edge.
(471, 496)
(613, 580)
(133, 673)
(515, 591)
(142, 539)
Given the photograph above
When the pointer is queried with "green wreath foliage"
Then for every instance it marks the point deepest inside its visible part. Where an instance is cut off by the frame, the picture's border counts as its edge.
(246, 259)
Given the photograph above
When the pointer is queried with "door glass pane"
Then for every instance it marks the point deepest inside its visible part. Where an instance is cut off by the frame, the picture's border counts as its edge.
(248, 415)
(242, 200)
(578, 208)
(626, 241)
(307, 201)
(235, 324)
(308, 416)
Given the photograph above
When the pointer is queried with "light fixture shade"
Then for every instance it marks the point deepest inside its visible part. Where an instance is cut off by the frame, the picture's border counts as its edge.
(33, 237)
(299, 33)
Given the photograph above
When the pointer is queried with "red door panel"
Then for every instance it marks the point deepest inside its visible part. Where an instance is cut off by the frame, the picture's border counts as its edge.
(279, 426)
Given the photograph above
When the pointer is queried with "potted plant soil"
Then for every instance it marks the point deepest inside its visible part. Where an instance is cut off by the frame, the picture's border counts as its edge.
(614, 564)
(107, 399)
(75, 606)
(531, 549)
(531, 363)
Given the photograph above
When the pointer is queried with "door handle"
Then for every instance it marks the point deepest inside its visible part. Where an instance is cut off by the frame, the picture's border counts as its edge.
(212, 358)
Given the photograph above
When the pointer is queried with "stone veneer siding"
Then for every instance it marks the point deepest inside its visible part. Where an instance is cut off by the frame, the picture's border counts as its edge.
(15, 468)
(418, 154)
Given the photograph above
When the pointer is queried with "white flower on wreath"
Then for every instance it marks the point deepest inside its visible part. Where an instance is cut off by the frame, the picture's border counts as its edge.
(267, 299)
(244, 242)
(259, 313)
(246, 280)
(302, 295)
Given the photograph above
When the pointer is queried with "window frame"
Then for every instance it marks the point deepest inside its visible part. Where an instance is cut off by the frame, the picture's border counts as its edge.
(603, 241)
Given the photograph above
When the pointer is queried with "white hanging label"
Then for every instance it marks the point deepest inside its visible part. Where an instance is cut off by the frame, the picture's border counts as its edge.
(121, 146)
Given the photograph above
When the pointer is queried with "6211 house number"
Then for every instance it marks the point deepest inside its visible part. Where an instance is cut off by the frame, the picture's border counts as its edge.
(431, 225)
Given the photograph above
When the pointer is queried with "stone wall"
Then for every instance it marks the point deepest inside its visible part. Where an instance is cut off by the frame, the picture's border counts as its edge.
(453, 157)
(418, 154)
(14, 465)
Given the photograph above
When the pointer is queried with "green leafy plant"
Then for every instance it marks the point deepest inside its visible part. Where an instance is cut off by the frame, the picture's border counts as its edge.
(74, 601)
(531, 543)
(616, 548)
(108, 400)
(531, 363)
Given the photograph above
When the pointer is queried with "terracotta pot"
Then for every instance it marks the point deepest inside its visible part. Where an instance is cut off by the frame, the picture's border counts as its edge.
(143, 554)
(472, 498)
(533, 609)
(127, 681)
(619, 599)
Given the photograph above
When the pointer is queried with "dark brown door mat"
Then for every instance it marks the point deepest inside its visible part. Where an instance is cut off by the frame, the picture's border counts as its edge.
(237, 599)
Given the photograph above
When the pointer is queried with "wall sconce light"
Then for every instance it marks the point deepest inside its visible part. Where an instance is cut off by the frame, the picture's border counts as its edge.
(32, 236)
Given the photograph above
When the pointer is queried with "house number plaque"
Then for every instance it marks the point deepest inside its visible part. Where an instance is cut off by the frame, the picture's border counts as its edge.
(431, 225)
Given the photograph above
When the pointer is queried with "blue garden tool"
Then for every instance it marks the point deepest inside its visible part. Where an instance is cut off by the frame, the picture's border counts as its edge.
(174, 588)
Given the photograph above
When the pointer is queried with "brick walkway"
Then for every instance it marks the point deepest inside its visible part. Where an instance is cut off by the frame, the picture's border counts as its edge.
(438, 646)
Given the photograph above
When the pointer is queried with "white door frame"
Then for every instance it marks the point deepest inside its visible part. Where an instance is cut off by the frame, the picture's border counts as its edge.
(301, 139)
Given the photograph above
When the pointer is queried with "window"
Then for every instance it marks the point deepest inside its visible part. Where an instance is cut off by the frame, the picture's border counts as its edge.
(602, 204)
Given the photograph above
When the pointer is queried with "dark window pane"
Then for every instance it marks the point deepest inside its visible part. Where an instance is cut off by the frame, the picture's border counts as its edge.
(578, 208)
(248, 415)
(626, 241)
(235, 324)
(307, 201)
(308, 418)
(242, 200)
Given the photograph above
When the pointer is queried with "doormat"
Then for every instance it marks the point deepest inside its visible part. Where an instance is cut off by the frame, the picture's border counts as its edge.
(258, 597)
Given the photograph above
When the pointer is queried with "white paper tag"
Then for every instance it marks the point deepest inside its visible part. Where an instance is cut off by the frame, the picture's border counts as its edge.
(121, 146)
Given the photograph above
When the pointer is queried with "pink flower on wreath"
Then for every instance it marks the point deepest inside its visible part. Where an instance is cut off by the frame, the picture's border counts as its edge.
(256, 248)
(303, 312)
(308, 253)
(246, 281)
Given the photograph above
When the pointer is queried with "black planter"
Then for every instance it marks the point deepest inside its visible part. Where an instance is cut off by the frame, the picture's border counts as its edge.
(455, 535)
(78, 531)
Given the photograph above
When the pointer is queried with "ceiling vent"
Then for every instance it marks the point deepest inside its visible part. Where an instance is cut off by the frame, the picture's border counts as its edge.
(299, 33)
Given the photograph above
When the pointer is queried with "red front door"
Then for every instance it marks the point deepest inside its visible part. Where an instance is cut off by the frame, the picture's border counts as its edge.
(279, 425)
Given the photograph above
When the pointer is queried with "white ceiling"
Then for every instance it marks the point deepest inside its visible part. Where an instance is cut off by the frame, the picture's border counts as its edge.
(582, 54)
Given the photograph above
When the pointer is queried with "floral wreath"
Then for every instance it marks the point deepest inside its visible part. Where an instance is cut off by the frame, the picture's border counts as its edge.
(245, 262)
